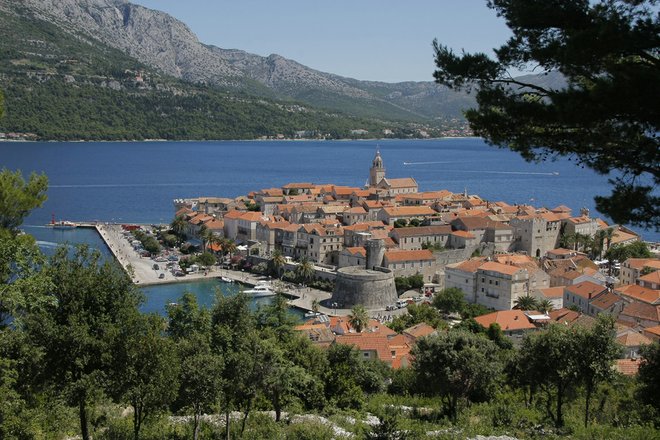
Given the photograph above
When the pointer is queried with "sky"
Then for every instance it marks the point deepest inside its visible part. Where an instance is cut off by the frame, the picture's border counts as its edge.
(378, 40)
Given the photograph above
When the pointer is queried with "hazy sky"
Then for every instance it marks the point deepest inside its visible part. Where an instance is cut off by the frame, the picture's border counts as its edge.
(381, 40)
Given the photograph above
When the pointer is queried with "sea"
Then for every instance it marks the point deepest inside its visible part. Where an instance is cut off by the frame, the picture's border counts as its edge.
(136, 182)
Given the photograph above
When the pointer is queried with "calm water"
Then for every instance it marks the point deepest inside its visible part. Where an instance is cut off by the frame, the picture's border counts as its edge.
(137, 181)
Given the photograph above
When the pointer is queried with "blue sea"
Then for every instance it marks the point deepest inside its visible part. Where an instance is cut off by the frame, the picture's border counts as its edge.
(137, 181)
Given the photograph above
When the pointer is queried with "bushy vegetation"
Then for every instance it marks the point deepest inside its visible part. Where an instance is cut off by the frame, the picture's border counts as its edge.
(408, 283)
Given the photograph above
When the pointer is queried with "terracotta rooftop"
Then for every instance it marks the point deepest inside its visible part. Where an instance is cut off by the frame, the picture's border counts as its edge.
(628, 367)
(404, 182)
(586, 289)
(639, 293)
(552, 292)
(640, 263)
(606, 300)
(655, 331)
(397, 256)
(653, 277)
(633, 339)
(642, 311)
(463, 234)
(493, 266)
(419, 330)
(356, 251)
(468, 266)
(509, 320)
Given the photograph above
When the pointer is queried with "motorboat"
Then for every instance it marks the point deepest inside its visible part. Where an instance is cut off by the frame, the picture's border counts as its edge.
(226, 280)
(260, 290)
(312, 314)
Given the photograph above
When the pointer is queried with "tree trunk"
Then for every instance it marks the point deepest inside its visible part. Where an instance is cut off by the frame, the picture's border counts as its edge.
(588, 401)
(136, 423)
(560, 396)
(247, 413)
(196, 425)
(82, 411)
(278, 407)
(227, 423)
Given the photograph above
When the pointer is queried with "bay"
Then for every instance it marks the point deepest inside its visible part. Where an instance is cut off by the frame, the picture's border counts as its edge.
(137, 181)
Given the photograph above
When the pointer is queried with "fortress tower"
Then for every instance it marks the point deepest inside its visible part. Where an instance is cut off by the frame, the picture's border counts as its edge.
(377, 170)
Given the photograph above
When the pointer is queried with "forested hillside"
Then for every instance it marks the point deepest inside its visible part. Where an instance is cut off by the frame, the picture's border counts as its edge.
(62, 86)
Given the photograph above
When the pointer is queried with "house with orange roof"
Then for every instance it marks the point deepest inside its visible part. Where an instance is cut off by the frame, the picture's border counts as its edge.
(418, 331)
(628, 367)
(609, 303)
(570, 317)
(581, 294)
(512, 322)
(635, 292)
(353, 256)
(568, 275)
(640, 315)
(560, 254)
(425, 198)
(463, 276)
(390, 215)
(414, 238)
(354, 215)
(406, 263)
(653, 333)
(270, 234)
(373, 346)
(623, 235)
(486, 231)
(553, 294)
(650, 280)
(498, 285)
(462, 240)
(294, 189)
(632, 268)
(632, 341)
(320, 334)
(215, 205)
(583, 224)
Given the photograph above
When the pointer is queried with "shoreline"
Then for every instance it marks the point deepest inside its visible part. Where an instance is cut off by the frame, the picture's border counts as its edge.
(233, 140)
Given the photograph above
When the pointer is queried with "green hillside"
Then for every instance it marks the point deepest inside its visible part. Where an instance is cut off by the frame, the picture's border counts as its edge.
(62, 86)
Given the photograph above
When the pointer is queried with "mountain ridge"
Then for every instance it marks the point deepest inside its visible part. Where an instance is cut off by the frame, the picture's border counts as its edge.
(161, 41)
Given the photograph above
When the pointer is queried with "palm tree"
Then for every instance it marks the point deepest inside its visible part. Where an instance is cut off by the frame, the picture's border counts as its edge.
(567, 241)
(359, 318)
(229, 247)
(206, 235)
(525, 303)
(609, 233)
(305, 270)
(278, 261)
(315, 305)
(545, 306)
(178, 225)
(599, 240)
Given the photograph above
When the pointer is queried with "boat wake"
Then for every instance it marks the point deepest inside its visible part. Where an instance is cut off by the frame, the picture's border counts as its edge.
(126, 185)
(427, 163)
(521, 173)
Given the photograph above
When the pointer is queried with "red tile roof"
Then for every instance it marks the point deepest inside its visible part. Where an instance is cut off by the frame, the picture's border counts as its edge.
(509, 320)
(397, 256)
(586, 289)
(628, 367)
(506, 269)
(633, 339)
(409, 211)
(639, 293)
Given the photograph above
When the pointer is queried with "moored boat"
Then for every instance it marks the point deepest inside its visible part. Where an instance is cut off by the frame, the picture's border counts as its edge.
(260, 290)
(62, 224)
(226, 280)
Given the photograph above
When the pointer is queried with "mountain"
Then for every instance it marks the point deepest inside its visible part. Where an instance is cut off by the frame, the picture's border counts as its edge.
(164, 43)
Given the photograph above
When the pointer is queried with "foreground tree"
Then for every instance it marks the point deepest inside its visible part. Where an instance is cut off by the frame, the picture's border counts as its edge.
(450, 300)
(146, 368)
(18, 197)
(456, 365)
(79, 329)
(606, 115)
(649, 375)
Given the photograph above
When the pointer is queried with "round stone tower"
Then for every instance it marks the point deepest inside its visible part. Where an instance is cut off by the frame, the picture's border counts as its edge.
(374, 289)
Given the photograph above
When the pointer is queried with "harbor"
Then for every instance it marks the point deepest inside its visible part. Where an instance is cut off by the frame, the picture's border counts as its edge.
(141, 269)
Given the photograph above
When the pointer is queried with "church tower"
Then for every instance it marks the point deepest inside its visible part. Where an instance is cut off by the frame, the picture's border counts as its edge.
(377, 171)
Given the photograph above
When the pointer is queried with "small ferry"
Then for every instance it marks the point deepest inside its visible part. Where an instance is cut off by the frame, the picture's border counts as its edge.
(62, 224)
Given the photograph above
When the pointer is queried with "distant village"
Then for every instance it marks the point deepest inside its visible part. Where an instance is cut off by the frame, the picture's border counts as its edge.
(494, 252)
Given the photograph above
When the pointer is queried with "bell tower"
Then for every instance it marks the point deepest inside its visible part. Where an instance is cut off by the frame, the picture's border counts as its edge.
(377, 171)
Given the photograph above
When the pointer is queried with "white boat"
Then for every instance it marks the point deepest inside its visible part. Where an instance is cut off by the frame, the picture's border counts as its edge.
(226, 280)
(312, 314)
(260, 290)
